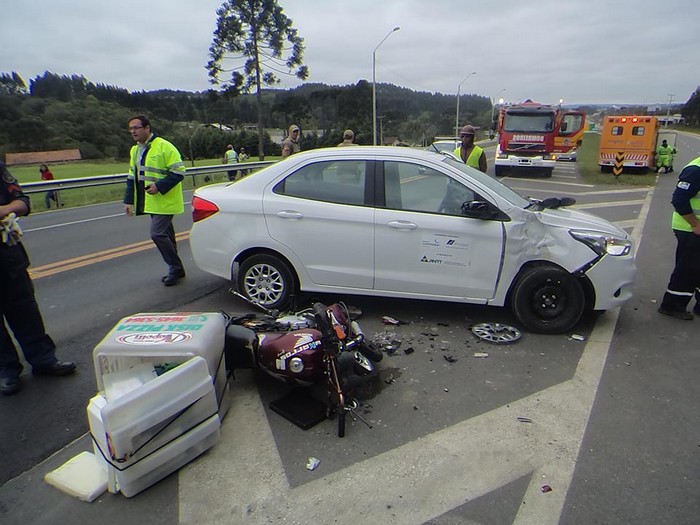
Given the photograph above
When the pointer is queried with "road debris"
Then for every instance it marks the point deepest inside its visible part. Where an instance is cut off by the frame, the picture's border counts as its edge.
(546, 488)
(312, 463)
(524, 419)
(450, 358)
(481, 354)
(387, 319)
(578, 337)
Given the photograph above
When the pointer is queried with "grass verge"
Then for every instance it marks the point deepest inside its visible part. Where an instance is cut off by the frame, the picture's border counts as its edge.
(99, 194)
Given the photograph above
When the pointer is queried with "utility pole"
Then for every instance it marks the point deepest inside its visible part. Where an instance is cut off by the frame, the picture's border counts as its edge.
(668, 109)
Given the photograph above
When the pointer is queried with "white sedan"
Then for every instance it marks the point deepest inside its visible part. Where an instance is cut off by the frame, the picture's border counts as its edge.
(400, 222)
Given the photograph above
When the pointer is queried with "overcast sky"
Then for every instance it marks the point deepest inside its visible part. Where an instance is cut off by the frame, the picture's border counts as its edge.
(584, 51)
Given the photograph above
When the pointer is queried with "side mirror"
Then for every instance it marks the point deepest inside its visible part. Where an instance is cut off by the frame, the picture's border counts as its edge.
(483, 210)
(564, 127)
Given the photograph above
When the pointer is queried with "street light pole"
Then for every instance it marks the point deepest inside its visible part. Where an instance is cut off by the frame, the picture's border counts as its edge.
(374, 86)
(457, 114)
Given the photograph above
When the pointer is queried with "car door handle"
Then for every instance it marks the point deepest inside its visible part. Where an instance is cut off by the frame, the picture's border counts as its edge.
(402, 225)
(289, 214)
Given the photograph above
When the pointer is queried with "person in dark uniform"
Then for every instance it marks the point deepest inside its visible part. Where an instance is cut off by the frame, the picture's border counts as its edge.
(18, 307)
(685, 279)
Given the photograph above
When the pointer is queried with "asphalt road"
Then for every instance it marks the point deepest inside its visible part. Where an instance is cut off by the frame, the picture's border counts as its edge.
(610, 428)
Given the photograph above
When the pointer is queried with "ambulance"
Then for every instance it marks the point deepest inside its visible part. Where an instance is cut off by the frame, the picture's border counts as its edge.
(630, 142)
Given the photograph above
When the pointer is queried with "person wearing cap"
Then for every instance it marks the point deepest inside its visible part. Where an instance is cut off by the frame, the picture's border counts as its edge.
(471, 154)
(348, 138)
(290, 146)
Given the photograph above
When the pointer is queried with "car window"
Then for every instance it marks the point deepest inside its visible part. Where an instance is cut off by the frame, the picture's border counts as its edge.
(412, 187)
(342, 182)
(489, 182)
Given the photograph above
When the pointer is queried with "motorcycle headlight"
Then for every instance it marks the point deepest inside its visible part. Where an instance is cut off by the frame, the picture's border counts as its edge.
(603, 243)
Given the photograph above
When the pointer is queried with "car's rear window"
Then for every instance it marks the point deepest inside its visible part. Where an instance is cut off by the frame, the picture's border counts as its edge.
(341, 181)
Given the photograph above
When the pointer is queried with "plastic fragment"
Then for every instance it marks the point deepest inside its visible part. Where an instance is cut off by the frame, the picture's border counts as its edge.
(387, 319)
(578, 337)
(524, 419)
(312, 463)
(480, 354)
(546, 488)
(449, 358)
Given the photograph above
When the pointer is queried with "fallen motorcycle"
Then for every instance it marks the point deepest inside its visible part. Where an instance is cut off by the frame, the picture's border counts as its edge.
(304, 348)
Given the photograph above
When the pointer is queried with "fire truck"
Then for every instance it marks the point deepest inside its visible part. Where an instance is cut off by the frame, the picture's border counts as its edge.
(532, 136)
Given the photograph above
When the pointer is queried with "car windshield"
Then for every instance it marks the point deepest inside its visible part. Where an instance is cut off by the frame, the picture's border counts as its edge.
(491, 183)
(444, 146)
(529, 122)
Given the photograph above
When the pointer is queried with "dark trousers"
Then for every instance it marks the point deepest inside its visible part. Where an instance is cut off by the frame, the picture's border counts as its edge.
(20, 313)
(685, 279)
(163, 235)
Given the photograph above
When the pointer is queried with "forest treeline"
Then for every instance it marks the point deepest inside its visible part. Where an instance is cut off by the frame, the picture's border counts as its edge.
(66, 112)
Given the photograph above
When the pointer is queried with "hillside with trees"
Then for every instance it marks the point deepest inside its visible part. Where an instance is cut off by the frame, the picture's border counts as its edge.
(64, 112)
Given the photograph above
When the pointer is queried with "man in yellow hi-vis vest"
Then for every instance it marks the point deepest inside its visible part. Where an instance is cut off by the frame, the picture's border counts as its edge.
(154, 187)
(471, 154)
(685, 279)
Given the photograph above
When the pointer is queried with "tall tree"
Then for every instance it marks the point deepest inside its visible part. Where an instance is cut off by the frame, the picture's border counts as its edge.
(255, 32)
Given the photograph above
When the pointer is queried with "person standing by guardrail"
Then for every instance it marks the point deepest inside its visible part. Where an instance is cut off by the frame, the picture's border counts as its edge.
(291, 145)
(231, 157)
(51, 195)
(154, 187)
(19, 310)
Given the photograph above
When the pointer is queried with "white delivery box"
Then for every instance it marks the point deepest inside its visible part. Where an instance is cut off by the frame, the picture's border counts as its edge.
(154, 429)
(163, 340)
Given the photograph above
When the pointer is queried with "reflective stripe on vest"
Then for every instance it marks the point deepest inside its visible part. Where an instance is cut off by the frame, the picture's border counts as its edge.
(678, 222)
(474, 156)
(158, 160)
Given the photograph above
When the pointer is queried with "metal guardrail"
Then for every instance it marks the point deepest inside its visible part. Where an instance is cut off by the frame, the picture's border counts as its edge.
(120, 178)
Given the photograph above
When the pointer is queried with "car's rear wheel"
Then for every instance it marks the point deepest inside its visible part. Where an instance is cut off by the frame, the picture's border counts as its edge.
(548, 300)
(266, 280)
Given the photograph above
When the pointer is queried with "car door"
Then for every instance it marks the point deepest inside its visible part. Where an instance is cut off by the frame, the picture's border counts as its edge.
(318, 212)
(424, 245)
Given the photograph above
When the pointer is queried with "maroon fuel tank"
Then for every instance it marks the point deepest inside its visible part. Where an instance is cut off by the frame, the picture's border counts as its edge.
(294, 357)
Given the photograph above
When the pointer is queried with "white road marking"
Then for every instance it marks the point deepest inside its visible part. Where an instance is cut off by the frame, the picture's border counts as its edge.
(608, 204)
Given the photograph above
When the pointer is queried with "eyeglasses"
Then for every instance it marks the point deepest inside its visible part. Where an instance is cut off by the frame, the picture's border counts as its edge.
(134, 128)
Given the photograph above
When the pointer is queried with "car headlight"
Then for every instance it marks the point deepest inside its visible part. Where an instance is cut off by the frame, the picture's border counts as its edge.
(602, 243)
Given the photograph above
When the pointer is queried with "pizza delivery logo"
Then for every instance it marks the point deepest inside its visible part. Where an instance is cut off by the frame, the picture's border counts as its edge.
(154, 338)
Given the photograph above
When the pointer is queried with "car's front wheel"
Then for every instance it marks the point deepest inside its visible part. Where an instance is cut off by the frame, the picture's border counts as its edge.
(265, 280)
(548, 300)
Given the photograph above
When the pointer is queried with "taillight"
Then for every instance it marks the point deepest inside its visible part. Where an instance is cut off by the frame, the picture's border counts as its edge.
(201, 209)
